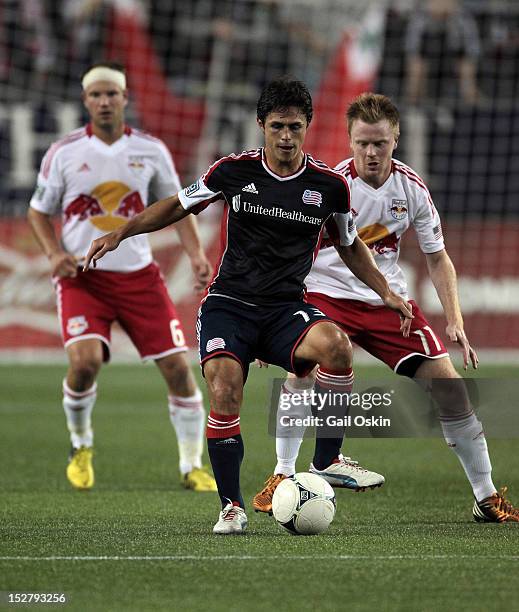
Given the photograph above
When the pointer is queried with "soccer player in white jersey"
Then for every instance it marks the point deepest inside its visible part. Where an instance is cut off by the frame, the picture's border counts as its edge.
(99, 176)
(387, 198)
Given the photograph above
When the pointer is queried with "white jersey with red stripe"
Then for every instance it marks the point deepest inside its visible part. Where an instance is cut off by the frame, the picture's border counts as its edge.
(382, 216)
(98, 187)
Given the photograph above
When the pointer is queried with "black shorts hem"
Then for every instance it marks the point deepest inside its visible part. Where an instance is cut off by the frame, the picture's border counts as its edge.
(224, 354)
(303, 372)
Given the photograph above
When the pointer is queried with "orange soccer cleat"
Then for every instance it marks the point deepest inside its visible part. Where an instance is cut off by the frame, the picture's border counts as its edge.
(495, 509)
(262, 501)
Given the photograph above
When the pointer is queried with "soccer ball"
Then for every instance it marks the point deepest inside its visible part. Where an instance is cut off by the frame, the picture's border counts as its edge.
(304, 504)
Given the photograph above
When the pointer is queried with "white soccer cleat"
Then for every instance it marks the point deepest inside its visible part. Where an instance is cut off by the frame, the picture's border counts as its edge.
(232, 520)
(348, 474)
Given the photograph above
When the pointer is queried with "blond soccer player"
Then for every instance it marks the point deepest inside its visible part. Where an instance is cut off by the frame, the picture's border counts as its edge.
(387, 199)
(98, 177)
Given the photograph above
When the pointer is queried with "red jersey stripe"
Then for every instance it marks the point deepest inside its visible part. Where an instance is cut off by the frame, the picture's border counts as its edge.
(419, 183)
(253, 154)
(72, 137)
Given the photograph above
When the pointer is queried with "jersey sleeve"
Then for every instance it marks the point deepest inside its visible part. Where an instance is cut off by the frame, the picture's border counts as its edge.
(341, 229)
(208, 188)
(341, 225)
(49, 185)
(427, 225)
(165, 182)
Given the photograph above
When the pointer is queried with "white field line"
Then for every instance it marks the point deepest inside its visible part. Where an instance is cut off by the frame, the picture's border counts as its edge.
(424, 557)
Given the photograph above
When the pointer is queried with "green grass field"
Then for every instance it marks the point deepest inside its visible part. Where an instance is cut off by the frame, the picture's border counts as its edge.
(138, 541)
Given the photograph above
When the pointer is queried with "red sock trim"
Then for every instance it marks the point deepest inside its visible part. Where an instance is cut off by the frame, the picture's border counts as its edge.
(222, 425)
(77, 395)
(345, 372)
(336, 381)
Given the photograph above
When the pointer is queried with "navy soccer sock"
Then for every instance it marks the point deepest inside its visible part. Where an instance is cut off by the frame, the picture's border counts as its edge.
(331, 392)
(225, 446)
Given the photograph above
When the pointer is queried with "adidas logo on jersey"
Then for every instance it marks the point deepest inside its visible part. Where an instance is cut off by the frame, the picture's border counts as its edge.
(84, 168)
(250, 188)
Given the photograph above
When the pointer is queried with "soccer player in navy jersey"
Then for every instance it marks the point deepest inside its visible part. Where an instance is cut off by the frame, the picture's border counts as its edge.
(278, 201)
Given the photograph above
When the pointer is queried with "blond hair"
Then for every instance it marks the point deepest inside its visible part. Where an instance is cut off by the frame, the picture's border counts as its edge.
(372, 108)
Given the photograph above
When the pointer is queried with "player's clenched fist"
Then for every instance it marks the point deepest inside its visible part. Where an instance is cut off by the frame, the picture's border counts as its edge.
(100, 246)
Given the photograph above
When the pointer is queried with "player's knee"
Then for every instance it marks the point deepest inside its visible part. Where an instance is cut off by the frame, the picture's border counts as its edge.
(225, 396)
(84, 370)
(448, 389)
(451, 396)
(178, 375)
(338, 352)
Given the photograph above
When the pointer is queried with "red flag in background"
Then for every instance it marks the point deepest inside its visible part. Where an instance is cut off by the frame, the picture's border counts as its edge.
(176, 120)
(351, 71)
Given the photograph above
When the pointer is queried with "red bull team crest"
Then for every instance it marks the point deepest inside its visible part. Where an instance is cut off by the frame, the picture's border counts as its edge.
(77, 325)
(398, 209)
(108, 207)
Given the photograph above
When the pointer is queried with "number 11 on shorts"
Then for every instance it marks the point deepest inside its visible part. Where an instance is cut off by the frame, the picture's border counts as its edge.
(423, 338)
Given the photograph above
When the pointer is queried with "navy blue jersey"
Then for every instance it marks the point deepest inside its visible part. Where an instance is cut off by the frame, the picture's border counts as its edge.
(272, 224)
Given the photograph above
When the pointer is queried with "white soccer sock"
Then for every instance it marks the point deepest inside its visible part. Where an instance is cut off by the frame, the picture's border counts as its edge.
(467, 440)
(187, 415)
(78, 406)
(287, 446)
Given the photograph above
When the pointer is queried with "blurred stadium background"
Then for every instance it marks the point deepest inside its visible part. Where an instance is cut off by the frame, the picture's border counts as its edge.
(195, 69)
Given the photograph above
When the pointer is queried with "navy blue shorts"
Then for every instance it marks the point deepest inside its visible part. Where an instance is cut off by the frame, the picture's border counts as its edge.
(227, 327)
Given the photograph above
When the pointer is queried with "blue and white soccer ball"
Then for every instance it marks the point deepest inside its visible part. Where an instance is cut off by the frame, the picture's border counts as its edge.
(304, 504)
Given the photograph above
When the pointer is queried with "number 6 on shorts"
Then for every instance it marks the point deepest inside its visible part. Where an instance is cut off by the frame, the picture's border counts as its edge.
(176, 333)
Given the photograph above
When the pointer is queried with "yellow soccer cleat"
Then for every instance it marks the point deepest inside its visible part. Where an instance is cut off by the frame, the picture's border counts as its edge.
(80, 472)
(199, 479)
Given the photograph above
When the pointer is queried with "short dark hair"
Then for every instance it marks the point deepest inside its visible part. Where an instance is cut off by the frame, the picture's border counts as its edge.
(113, 65)
(372, 108)
(280, 94)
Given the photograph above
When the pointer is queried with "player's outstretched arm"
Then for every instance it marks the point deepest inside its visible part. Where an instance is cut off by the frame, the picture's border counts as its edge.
(360, 261)
(443, 275)
(156, 216)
